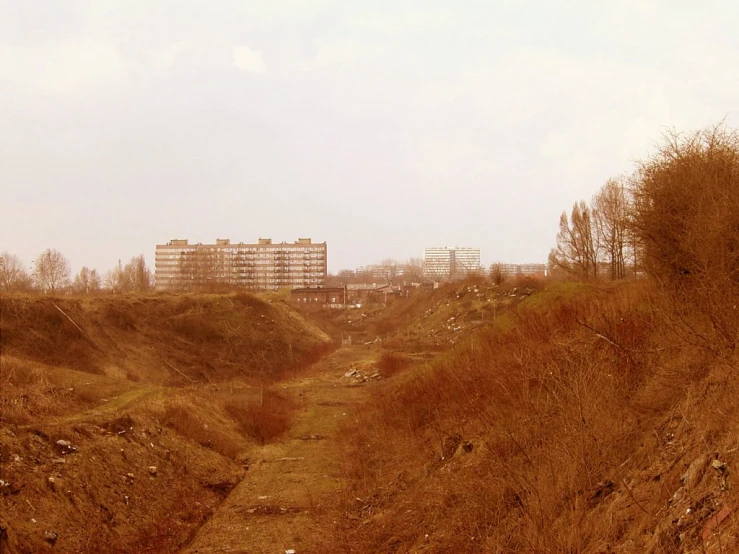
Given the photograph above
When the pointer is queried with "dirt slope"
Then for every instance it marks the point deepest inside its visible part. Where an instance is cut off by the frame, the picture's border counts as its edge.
(126, 421)
(161, 339)
(585, 421)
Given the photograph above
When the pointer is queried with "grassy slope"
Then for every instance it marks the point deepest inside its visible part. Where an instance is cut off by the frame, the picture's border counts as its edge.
(583, 421)
(135, 382)
(206, 337)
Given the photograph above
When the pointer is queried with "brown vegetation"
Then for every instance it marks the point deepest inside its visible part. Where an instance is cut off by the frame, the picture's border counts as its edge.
(152, 400)
(161, 339)
(526, 441)
(591, 418)
(583, 416)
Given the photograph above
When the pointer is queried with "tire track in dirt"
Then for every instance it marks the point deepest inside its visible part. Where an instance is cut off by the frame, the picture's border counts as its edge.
(285, 498)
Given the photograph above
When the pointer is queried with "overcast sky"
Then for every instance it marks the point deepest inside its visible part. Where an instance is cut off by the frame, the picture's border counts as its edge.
(380, 127)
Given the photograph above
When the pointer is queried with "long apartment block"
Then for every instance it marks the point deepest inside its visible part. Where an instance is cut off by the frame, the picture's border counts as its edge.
(180, 265)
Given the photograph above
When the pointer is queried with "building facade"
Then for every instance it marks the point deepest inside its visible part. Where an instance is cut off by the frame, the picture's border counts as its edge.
(524, 270)
(265, 265)
(449, 264)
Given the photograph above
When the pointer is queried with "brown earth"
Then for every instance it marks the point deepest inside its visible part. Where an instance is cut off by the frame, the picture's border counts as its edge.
(125, 421)
(288, 498)
(472, 419)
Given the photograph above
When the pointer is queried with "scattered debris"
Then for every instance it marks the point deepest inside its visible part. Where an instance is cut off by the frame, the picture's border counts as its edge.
(312, 437)
(268, 510)
(65, 446)
(153, 470)
(723, 473)
(50, 536)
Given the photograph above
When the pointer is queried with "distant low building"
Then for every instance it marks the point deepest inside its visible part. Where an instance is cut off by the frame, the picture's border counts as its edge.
(347, 295)
(449, 264)
(265, 265)
(327, 295)
(528, 270)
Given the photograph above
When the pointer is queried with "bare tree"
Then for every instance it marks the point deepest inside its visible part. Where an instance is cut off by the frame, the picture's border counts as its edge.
(577, 244)
(135, 276)
(412, 270)
(343, 277)
(389, 269)
(13, 276)
(52, 270)
(611, 209)
(113, 280)
(496, 273)
(87, 281)
(203, 269)
(139, 275)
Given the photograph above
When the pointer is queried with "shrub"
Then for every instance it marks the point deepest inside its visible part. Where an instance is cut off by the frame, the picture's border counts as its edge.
(391, 363)
(262, 422)
(687, 222)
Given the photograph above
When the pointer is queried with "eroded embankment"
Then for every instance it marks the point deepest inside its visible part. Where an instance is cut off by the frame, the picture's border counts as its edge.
(591, 419)
(126, 421)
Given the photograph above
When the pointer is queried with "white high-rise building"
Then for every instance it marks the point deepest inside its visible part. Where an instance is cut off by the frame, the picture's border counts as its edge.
(448, 264)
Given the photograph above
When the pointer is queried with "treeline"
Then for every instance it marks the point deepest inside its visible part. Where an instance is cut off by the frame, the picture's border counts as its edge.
(51, 273)
(598, 239)
(388, 270)
(675, 218)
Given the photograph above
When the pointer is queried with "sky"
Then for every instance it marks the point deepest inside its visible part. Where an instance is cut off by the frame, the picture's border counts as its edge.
(379, 127)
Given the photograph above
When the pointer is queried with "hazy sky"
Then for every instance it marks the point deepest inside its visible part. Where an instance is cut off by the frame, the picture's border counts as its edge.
(380, 127)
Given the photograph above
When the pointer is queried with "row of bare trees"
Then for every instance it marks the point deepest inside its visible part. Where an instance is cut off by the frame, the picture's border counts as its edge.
(387, 271)
(52, 273)
(675, 219)
(597, 240)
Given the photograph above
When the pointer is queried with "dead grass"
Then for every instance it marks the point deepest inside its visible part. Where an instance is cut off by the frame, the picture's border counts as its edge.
(194, 427)
(391, 363)
(510, 441)
(205, 337)
(263, 422)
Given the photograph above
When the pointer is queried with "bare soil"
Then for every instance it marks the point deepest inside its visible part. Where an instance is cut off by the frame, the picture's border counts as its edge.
(288, 498)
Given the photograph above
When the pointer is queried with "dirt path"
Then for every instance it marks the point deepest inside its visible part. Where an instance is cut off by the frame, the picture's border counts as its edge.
(283, 501)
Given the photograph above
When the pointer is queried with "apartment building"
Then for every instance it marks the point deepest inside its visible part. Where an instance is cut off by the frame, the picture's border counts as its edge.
(180, 265)
(524, 270)
(449, 264)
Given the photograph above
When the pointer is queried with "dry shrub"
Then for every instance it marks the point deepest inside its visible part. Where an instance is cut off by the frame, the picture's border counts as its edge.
(393, 362)
(687, 222)
(249, 301)
(263, 422)
(509, 441)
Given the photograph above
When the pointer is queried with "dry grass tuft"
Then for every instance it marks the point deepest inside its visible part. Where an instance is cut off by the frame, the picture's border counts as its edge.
(392, 363)
(186, 422)
(263, 422)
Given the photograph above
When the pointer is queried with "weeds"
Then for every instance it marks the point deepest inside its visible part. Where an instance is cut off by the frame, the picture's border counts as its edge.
(265, 421)
(543, 413)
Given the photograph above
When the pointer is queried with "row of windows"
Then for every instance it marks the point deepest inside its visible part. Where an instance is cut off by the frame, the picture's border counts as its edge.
(176, 250)
(229, 261)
